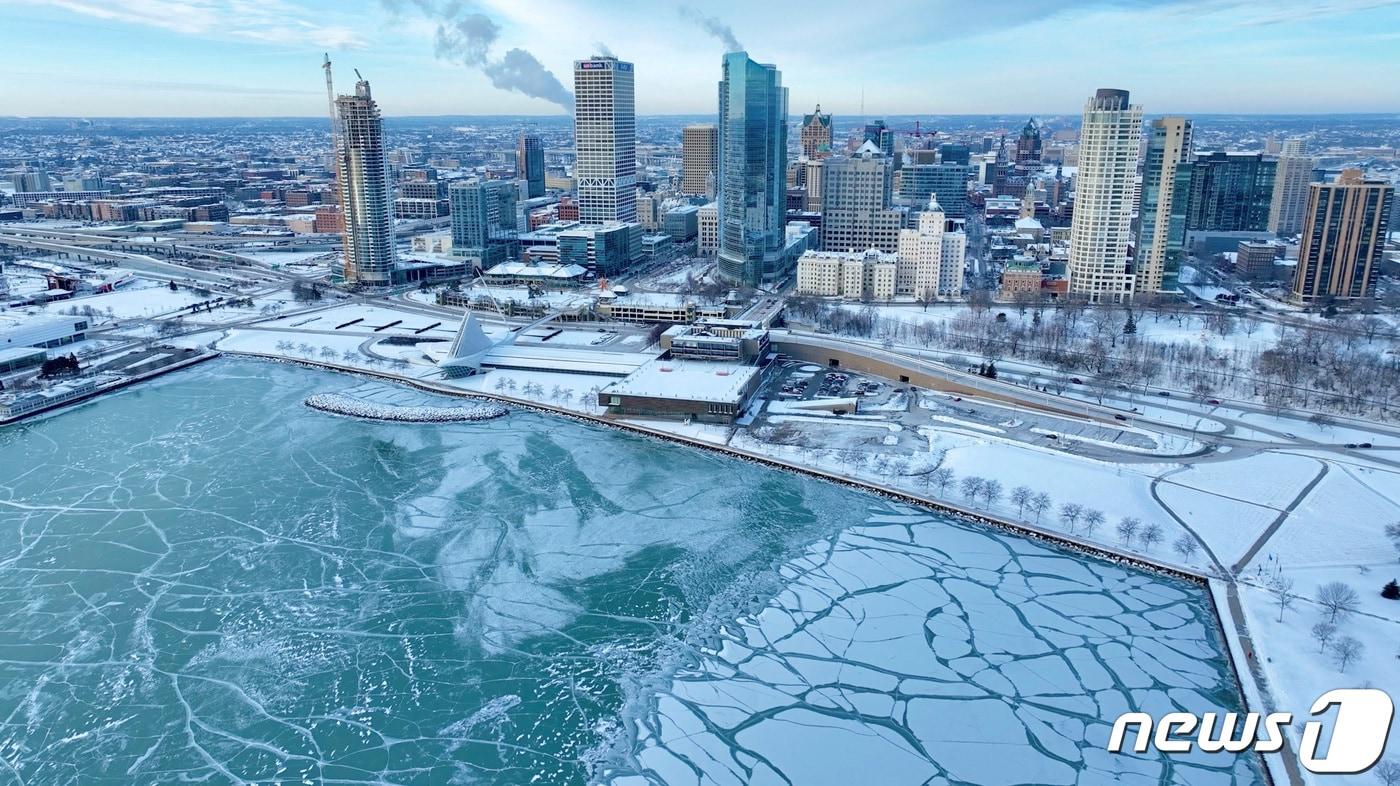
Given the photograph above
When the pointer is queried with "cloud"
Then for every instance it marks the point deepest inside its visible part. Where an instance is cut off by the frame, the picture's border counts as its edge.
(260, 21)
(714, 27)
(603, 49)
(469, 36)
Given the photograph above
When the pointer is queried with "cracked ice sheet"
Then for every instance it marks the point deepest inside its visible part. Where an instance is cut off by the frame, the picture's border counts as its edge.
(915, 650)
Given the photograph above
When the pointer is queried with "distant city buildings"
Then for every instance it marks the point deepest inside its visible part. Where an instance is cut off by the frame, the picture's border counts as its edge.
(1099, 266)
(1344, 234)
(699, 159)
(1289, 203)
(753, 107)
(947, 182)
(815, 134)
(1028, 146)
(605, 121)
(529, 165)
(1166, 179)
(879, 133)
(363, 177)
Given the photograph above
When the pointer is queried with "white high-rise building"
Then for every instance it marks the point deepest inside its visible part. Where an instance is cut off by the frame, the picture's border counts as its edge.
(1109, 139)
(931, 259)
(363, 176)
(1291, 180)
(605, 140)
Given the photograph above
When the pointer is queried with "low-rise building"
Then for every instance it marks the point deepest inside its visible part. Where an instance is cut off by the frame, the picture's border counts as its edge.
(40, 331)
(868, 275)
(717, 339)
(1021, 281)
(692, 390)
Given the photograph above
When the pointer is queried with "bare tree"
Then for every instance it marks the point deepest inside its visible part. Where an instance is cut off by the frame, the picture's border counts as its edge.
(1323, 632)
(1127, 529)
(1392, 531)
(941, 477)
(972, 486)
(349, 356)
(991, 493)
(1039, 504)
(1345, 650)
(1020, 497)
(1337, 599)
(1070, 513)
(1151, 536)
(1388, 772)
(1283, 587)
(1093, 519)
(1185, 546)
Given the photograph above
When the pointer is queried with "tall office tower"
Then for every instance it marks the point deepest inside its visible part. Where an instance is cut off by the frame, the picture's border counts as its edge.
(364, 190)
(605, 139)
(1290, 198)
(699, 158)
(529, 165)
(930, 258)
(815, 180)
(1166, 180)
(483, 219)
(947, 182)
(1028, 146)
(1344, 234)
(1230, 192)
(816, 134)
(955, 154)
(753, 108)
(31, 180)
(1109, 135)
(856, 212)
(880, 133)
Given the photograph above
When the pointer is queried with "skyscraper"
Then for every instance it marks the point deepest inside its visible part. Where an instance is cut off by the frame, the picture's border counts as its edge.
(1166, 178)
(699, 158)
(879, 132)
(753, 107)
(1230, 192)
(856, 212)
(1028, 146)
(947, 182)
(816, 134)
(1290, 198)
(483, 219)
(1344, 234)
(605, 133)
(364, 190)
(931, 259)
(529, 165)
(1103, 199)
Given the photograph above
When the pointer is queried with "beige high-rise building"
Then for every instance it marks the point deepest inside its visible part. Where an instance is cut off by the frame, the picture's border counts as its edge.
(699, 158)
(1291, 180)
(1344, 234)
(1109, 139)
(856, 210)
(931, 259)
(815, 183)
(708, 223)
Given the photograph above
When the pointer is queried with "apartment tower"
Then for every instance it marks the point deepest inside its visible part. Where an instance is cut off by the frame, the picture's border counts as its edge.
(1099, 267)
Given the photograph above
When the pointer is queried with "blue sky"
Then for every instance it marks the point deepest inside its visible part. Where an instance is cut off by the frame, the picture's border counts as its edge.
(262, 57)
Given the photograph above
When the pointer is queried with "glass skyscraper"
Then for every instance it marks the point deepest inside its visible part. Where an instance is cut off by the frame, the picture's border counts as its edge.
(529, 164)
(1231, 192)
(483, 219)
(753, 108)
(1166, 181)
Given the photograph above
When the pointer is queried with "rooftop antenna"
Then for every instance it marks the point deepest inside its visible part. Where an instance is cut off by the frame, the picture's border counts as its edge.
(357, 75)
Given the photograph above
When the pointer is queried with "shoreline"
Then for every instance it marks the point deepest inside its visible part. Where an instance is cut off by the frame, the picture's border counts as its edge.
(115, 386)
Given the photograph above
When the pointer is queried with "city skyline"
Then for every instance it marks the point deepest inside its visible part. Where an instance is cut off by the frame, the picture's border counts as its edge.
(213, 58)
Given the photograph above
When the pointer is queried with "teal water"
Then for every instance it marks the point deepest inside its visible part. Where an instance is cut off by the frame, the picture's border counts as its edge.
(202, 580)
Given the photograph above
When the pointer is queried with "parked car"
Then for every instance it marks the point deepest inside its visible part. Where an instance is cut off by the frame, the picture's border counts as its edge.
(1120, 417)
(1163, 393)
(1076, 381)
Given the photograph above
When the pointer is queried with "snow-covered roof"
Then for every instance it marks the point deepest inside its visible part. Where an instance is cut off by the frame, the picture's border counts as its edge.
(686, 380)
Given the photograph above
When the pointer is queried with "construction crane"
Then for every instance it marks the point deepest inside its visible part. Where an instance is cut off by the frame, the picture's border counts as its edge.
(330, 101)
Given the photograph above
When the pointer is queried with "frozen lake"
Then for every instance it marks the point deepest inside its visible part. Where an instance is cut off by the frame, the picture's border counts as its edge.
(203, 580)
